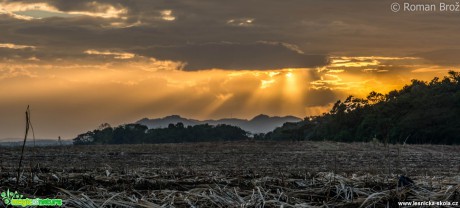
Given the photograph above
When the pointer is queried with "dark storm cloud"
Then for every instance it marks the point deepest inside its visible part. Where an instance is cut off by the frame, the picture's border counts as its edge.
(444, 57)
(320, 97)
(182, 30)
(235, 56)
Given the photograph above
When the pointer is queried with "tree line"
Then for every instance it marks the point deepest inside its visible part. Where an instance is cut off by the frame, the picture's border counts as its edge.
(421, 112)
(174, 133)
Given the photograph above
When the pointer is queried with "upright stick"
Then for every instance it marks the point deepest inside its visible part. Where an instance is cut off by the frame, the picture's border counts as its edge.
(23, 145)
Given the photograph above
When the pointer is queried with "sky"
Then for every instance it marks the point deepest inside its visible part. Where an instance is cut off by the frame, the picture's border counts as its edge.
(82, 63)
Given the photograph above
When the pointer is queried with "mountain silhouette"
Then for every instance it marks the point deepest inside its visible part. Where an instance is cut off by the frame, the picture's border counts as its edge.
(259, 124)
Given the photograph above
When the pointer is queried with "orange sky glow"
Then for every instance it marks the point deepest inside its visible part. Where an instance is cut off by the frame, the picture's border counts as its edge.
(82, 63)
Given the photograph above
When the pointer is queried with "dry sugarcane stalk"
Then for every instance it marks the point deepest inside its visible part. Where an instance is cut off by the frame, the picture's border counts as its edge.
(23, 146)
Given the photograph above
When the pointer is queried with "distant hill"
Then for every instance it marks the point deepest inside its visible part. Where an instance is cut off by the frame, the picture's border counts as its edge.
(259, 124)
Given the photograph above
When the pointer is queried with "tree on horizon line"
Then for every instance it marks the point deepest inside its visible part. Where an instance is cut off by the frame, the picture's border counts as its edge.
(421, 112)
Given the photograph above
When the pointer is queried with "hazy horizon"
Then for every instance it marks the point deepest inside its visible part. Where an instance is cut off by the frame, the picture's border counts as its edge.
(82, 63)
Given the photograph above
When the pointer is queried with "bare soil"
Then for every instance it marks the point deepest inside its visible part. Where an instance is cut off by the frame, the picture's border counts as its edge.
(234, 174)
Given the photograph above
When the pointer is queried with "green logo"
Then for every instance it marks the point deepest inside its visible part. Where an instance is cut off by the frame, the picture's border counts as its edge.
(8, 196)
(16, 199)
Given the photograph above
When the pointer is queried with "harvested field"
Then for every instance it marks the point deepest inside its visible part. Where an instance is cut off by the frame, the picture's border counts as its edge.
(235, 174)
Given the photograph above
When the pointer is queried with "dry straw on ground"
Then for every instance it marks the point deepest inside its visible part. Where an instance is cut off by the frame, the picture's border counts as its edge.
(237, 174)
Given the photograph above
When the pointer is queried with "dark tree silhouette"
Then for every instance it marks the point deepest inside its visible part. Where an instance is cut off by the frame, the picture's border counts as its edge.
(422, 112)
(136, 133)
